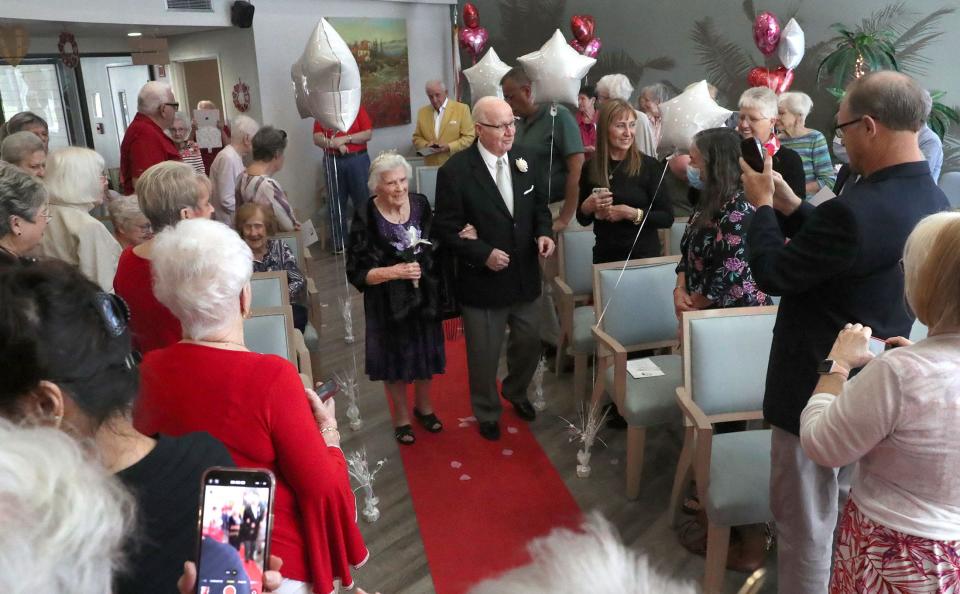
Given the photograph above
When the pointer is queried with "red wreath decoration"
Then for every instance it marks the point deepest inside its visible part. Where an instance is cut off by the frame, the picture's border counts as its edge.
(241, 96)
(69, 52)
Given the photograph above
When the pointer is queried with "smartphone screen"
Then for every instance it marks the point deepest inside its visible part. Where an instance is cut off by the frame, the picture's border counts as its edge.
(752, 153)
(876, 346)
(326, 390)
(236, 518)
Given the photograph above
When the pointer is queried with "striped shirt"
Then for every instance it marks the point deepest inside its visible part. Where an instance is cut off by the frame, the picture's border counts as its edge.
(812, 148)
(190, 154)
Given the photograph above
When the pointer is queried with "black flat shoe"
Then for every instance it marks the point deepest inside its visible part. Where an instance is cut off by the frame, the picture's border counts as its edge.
(490, 430)
(429, 421)
(404, 435)
(524, 409)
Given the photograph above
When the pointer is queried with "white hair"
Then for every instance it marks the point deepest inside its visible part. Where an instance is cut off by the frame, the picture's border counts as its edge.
(761, 98)
(125, 211)
(64, 516)
(616, 86)
(243, 128)
(73, 176)
(20, 146)
(435, 83)
(151, 96)
(796, 103)
(200, 268)
(182, 117)
(387, 161)
(659, 92)
(568, 562)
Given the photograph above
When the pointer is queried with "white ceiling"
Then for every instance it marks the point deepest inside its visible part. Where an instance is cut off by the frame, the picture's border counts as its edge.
(53, 28)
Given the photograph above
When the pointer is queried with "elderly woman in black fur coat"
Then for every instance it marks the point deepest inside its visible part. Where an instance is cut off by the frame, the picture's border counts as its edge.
(390, 260)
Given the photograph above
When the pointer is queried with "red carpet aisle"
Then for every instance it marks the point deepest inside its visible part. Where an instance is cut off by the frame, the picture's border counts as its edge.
(479, 502)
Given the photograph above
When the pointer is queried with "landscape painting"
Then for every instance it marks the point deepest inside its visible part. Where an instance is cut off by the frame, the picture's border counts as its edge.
(380, 48)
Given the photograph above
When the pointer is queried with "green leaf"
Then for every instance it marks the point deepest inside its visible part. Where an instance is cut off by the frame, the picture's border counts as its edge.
(726, 63)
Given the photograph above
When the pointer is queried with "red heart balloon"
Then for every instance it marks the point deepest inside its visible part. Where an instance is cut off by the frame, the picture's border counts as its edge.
(474, 40)
(471, 16)
(592, 48)
(577, 46)
(784, 79)
(582, 26)
(758, 77)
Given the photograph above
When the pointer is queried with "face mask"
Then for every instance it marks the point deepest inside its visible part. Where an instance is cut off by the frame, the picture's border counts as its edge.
(693, 177)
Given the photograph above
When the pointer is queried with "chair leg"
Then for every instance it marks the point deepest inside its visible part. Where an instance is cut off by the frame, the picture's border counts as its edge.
(579, 377)
(636, 440)
(561, 358)
(684, 468)
(718, 541)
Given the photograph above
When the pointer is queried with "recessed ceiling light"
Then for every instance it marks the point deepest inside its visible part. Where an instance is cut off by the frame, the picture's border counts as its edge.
(134, 34)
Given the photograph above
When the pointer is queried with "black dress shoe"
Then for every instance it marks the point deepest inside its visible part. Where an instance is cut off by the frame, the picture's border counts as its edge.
(490, 430)
(524, 409)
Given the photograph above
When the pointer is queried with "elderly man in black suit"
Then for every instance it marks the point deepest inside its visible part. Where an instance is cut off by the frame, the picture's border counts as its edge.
(841, 265)
(492, 188)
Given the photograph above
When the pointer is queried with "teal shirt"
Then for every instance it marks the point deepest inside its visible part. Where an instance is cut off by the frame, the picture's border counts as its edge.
(813, 151)
(534, 135)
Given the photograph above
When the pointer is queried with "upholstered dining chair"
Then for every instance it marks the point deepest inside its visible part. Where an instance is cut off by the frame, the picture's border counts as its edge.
(574, 284)
(270, 330)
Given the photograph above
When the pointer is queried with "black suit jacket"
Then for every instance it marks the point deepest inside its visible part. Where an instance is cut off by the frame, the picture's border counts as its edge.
(841, 265)
(467, 193)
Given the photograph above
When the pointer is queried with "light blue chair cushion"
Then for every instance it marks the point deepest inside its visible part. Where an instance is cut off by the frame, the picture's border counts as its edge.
(427, 183)
(641, 310)
(267, 334)
(739, 491)
(292, 242)
(918, 332)
(311, 338)
(578, 261)
(651, 400)
(266, 292)
(676, 234)
(584, 318)
(728, 360)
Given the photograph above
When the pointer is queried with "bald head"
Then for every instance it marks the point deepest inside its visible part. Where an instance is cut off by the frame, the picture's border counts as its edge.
(437, 93)
(206, 104)
(495, 124)
(893, 99)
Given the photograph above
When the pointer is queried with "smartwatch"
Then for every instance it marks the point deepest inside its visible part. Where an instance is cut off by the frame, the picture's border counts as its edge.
(831, 367)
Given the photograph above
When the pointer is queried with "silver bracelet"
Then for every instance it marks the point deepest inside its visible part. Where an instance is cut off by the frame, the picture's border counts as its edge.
(329, 430)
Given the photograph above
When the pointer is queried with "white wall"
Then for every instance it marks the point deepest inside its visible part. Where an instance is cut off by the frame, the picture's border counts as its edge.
(96, 80)
(238, 59)
(281, 30)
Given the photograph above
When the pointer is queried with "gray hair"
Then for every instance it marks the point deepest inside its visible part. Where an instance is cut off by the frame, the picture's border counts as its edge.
(17, 147)
(796, 103)
(594, 560)
(435, 83)
(659, 92)
(64, 517)
(21, 121)
(182, 117)
(73, 176)
(892, 98)
(386, 161)
(151, 96)
(244, 127)
(200, 268)
(268, 143)
(21, 195)
(616, 86)
(167, 188)
(125, 211)
(761, 98)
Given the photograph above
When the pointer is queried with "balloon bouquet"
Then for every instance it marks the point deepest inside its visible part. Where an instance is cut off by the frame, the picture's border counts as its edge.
(789, 45)
(583, 40)
(473, 37)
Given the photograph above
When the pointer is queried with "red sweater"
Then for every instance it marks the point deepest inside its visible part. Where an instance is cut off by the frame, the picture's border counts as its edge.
(153, 325)
(256, 406)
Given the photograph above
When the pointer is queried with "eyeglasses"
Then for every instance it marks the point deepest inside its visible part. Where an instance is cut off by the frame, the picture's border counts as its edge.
(46, 214)
(838, 129)
(501, 127)
(174, 105)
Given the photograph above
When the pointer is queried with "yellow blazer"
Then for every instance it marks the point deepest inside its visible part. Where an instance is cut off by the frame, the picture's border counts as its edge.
(456, 129)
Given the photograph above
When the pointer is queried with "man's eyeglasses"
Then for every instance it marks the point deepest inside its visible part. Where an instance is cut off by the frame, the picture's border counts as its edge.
(838, 129)
(501, 127)
(174, 105)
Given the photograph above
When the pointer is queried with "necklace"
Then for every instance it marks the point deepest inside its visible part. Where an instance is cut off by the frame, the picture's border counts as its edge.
(614, 170)
(213, 343)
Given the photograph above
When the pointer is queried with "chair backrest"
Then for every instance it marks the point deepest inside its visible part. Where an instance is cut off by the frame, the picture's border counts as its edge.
(676, 234)
(575, 252)
(725, 355)
(950, 184)
(427, 183)
(270, 331)
(918, 332)
(269, 289)
(295, 243)
(640, 314)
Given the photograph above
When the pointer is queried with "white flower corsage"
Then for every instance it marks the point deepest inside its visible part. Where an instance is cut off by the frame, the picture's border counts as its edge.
(522, 165)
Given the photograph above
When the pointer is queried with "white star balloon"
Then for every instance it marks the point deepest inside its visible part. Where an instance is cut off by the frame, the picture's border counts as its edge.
(688, 113)
(484, 76)
(792, 42)
(556, 70)
(328, 79)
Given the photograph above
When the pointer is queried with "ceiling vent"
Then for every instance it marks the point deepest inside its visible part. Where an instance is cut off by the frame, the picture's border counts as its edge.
(194, 5)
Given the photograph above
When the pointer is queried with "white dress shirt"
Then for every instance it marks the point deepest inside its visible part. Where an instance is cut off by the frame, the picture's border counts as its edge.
(490, 160)
(437, 118)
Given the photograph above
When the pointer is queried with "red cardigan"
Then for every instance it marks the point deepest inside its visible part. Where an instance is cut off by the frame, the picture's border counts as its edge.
(153, 325)
(256, 406)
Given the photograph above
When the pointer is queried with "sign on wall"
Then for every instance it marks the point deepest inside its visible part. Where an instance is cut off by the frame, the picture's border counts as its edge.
(380, 48)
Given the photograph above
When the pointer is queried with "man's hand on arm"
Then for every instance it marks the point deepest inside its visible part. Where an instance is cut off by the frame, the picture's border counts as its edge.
(498, 260)
(545, 246)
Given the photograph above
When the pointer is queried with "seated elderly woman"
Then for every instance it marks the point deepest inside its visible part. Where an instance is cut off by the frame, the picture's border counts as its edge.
(621, 188)
(24, 212)
(256, 184)
(27, 121)
(651, 96)
(130, 225)
(168, 192)
(806, 142)
(66, 361)
(189, 150)
(76, 182)
(64, 518)
(897, 421)
(758, 117)
(255, 223)
(587, 119)
(617, 86)
(26, 151)
(391, 264)
(255, 404)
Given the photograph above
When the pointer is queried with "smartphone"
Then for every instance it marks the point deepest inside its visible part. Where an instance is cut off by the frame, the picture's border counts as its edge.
(876, 346)
(233, 536)
(327, 390)
(752, 153)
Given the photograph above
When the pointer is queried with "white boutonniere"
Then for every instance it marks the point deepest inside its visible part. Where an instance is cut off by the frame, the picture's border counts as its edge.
(522, 165)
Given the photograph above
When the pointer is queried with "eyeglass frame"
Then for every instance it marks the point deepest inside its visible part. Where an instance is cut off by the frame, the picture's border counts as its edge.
(175, 105)
(838, 129)
(500, 127)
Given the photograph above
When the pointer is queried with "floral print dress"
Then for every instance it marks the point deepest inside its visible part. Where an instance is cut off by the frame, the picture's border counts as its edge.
(714, 257)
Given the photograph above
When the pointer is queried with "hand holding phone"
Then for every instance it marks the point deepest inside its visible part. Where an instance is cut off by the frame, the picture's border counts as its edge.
(327, 389)
(753, 153)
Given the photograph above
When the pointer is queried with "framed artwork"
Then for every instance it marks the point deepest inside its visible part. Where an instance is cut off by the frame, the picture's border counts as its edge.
(380, 48)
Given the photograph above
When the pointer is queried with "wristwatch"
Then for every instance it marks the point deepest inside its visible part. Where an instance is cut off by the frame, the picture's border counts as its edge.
(639, 217)
(831, 367)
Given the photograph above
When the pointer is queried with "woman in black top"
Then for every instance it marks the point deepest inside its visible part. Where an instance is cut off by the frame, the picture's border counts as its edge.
(759, 111)
(620, 190)
(24, 210)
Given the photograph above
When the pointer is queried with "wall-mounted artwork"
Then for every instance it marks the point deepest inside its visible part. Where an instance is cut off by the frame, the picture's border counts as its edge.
(380, 48)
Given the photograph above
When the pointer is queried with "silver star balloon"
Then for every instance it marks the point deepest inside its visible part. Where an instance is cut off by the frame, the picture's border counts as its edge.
(299, 95)
(556, 70)
(484, 76)
(328, 78)
(688, 113)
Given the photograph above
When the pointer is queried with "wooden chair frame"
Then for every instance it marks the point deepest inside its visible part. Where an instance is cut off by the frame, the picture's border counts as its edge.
(296, 348)
(281, 275)
(306, 264)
